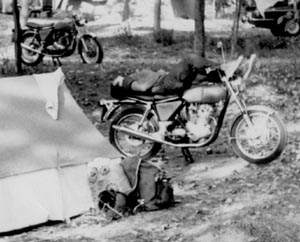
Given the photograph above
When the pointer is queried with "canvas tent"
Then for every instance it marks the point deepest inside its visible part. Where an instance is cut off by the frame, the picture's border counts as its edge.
(45, 144)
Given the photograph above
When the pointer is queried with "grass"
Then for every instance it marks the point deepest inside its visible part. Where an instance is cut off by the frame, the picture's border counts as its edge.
(268, 228)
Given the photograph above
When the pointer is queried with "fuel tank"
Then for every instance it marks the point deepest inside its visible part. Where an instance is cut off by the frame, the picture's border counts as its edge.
(205, 94)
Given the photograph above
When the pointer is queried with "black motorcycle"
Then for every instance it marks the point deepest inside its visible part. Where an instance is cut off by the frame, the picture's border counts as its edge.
(58, 40)
(140, 124)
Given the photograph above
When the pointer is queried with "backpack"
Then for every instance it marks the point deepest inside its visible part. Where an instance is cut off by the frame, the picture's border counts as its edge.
(151, 188)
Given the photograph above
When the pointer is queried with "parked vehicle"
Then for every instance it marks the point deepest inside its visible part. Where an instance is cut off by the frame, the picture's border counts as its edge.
(282, 18)
(140, 124)
(59, 40)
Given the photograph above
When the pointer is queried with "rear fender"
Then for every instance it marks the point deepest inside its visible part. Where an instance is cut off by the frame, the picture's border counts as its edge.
(112, 112)
(22, 32)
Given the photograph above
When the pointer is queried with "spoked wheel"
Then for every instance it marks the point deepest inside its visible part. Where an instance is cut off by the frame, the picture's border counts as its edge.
(90, 50)
(128, 144)
(262, 141)
(29, 44)
(292, 27)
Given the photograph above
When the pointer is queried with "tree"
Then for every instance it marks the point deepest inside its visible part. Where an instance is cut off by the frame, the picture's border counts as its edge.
(235, 27)
(17, 37)
(157, 16)
(24, 13)
(199, 36)
(126, 10)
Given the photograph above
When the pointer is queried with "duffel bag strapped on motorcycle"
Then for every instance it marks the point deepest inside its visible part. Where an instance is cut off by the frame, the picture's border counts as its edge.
(138, 83)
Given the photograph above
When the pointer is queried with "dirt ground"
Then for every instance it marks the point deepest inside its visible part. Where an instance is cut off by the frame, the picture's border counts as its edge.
(220, 197)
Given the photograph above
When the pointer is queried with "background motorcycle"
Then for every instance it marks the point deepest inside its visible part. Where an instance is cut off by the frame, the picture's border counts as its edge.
(59, 40)
(141, 124)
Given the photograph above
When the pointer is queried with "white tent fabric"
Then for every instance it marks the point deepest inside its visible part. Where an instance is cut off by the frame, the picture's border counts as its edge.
(49, 84)
(43, 161)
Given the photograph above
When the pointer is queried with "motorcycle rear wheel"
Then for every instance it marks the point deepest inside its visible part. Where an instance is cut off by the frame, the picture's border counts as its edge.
(94, 52)
(268, 139)
(28, 57)
(129, 145)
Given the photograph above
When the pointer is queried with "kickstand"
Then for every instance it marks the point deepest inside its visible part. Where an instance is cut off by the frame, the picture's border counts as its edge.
(187, 155)
(56, 61)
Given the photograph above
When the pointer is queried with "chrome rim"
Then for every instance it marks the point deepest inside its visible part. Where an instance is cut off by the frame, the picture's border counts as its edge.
(92, 53)
(292, 27)
(27, 55)
(130, 145)
(262, 139)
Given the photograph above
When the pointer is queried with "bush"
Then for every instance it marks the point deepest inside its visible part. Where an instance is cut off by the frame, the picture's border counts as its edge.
(164, 36)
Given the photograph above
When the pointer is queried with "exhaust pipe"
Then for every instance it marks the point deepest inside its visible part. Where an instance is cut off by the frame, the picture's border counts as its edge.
(38, 51)
(29, 48)
(154, 139)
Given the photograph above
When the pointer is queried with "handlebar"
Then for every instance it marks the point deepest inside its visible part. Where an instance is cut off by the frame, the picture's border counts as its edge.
(79, 20)
(230, 67)
(250, 66)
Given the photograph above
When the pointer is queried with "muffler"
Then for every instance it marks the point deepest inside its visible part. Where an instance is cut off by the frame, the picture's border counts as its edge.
(154, 139)
(29, 48)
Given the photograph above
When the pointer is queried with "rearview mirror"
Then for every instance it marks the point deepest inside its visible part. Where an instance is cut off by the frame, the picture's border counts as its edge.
(220, 46)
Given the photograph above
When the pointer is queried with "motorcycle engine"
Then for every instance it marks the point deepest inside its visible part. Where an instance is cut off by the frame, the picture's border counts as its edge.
(199, 124)
(61, 41)
(63, 38)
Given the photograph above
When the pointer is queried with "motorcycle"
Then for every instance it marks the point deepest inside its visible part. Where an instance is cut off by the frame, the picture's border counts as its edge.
(58, 40)
(141, 124)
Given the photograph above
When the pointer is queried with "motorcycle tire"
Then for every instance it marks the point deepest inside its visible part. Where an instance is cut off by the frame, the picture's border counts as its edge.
(28, 57)
(94, 52)
(129, 145)
(292, 28)
(239, 144)
(278, 31)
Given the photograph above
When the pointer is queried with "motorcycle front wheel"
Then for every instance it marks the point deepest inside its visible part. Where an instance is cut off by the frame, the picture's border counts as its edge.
(262, 141)
(31, 57)
(90, 49)
(129, 145)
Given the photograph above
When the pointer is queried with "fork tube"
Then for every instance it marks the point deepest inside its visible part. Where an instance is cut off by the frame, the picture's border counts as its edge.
(235, 95)
(240, 103)
(83, 43)
(79, 34)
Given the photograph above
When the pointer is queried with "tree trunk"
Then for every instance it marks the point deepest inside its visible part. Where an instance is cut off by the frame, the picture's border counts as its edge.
(126, 10)
(24, 13)
(235, 27)
(157, 16)
(199, 36)
(17, 37)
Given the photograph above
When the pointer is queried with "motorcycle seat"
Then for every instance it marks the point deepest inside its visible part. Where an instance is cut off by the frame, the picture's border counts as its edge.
(33, 25)
(121, 93)
(153, 97)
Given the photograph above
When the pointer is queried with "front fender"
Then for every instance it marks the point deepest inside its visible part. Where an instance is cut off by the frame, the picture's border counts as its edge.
(92, 35)
(261, 108)
(266, 109)
(89, 35)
